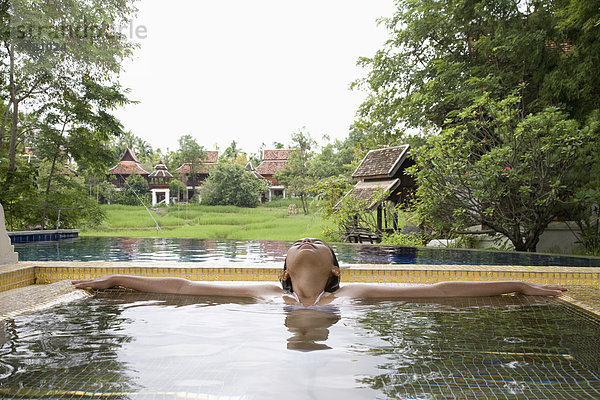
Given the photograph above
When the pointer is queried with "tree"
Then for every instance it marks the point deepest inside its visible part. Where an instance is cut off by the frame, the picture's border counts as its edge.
(330, 191)
(19, 213)
(191, 153)
(176, 188)
(60, 64)
(496, 166)
(295, 176)
(139, 146)
(231, 184)
(53, 46)
(135, 191)
(256, 158)
(77, 124)
(105, 193)
(67, 203)
(232, 152)
(442, 53)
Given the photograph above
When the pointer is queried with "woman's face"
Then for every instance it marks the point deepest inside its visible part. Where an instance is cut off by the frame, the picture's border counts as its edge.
(309, 250)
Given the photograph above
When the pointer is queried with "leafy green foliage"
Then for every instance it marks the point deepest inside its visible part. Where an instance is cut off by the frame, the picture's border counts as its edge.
(106, 193)
(329, 191)
(450, 69)
(442, 53)
(176, 188)
(20, 197)
(134, 191)
(401, 239)
(231, 184)
(61, 61)
(496, 166)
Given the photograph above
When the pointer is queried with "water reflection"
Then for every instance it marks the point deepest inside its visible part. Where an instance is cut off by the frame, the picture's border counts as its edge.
(309, 327)
(508, 345)
(147, 345)
(41, 356)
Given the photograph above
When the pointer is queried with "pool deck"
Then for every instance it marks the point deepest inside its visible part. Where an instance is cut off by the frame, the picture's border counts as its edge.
(30, 285)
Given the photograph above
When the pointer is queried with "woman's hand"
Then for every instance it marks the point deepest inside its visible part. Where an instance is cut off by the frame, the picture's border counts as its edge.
(98, 283)
(534, 289)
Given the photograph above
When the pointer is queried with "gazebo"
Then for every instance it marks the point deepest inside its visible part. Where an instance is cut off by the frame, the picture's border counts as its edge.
(159, 181)
(381, 170)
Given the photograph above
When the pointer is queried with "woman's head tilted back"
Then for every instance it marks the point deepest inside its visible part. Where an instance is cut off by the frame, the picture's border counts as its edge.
(312, 256)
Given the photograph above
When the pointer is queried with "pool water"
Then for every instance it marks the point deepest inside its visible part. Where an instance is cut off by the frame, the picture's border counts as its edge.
(258, 251)
(127, 345)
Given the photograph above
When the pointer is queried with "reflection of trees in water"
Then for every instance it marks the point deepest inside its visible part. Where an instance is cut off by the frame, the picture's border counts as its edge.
(466, 348)
(63, 351)
(309, 328)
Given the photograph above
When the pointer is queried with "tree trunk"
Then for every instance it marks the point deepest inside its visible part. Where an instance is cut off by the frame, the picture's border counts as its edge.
(3, 124)
(45, 208)
(304, 205)
(185, 192)
(12, 149)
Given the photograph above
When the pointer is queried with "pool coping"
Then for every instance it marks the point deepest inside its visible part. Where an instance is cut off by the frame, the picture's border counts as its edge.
(19, 283)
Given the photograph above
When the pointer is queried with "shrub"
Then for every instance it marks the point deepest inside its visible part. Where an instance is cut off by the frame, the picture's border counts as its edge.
(231, 184)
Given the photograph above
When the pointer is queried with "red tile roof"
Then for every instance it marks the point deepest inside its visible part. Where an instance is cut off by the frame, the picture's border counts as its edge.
(270, 167)
(212, 157)
(281, 155)
(127, 168)
(274, 161)
(129, 156)
(129, 165)
(199, 168)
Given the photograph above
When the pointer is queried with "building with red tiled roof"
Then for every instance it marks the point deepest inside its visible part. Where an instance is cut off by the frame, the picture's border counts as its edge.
(201, 172)
(274, 161)
(128, 165)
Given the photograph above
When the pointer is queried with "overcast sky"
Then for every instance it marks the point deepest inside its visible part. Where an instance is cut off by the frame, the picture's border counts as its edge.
(250, 71)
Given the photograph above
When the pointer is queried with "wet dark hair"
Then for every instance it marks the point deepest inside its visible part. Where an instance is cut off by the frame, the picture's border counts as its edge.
(332, 285)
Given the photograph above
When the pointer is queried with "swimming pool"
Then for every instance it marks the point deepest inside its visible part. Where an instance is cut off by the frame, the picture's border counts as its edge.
(126, 345)
(258, 251)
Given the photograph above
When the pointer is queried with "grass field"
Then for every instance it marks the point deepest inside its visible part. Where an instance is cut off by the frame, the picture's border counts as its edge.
(267, 222)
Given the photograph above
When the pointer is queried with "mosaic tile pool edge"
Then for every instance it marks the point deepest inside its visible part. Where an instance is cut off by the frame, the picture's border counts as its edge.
(21, 275)
(352, 274)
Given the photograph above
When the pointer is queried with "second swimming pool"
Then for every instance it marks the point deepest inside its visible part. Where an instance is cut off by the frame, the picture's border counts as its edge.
(124, 345)
(116, 249)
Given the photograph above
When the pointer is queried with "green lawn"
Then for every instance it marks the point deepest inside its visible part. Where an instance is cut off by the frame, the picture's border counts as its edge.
(267, 222)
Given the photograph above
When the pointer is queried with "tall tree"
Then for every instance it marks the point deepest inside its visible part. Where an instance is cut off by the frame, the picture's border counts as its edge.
(50, 46)
(501, 168)
(78, 125)
(442, 53)
(61, 64)
(295, 176)
(193, 154)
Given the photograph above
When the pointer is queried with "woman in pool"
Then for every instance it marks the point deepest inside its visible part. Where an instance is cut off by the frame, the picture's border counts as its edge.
(311, 276)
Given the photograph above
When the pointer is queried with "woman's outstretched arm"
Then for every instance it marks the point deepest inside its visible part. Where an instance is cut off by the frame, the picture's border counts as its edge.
(451, 289)
(178, 286)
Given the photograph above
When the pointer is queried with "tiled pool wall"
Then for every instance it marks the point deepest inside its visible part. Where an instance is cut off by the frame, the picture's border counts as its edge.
(584, 281)
(27, 273)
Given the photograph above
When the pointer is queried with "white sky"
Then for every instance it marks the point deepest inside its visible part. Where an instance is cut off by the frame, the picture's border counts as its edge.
(250, 71)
